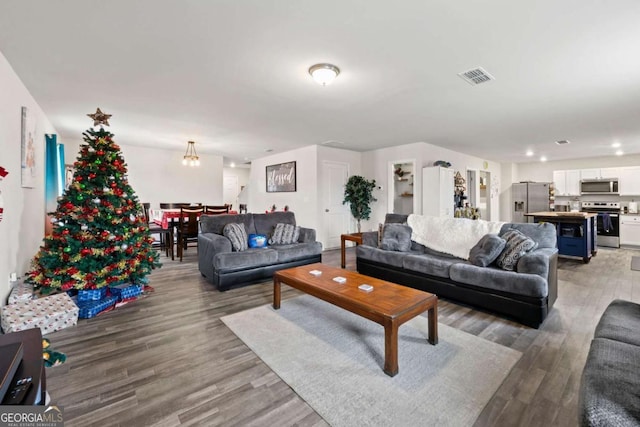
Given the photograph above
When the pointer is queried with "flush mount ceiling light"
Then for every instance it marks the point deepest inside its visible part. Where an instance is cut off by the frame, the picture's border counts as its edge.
(324, 74)
(190, 156)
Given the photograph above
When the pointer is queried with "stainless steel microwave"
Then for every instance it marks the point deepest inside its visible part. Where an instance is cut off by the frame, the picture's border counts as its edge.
(599, 186)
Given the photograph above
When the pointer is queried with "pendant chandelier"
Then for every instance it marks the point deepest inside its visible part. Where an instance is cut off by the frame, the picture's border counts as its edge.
(190, 156)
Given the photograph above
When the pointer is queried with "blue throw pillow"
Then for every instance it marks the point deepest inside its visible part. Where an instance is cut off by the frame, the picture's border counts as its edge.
(257, 241)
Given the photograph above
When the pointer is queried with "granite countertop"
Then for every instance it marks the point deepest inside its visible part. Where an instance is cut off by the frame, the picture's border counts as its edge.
(563, 214)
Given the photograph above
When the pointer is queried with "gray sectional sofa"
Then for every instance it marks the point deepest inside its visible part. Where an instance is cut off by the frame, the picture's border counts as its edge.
(526, 294)
(226, 268)
(610, 387)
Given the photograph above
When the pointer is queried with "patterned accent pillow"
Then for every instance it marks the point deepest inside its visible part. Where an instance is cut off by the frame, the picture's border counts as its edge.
(396, 237)
(517, 245)
(487, 250)
(284, 234)
(237, 234)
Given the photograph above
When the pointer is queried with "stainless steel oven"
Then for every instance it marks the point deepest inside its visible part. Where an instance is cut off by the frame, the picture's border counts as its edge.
(608, 222)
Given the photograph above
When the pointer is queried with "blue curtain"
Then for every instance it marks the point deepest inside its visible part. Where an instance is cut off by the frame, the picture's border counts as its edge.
(53, 172)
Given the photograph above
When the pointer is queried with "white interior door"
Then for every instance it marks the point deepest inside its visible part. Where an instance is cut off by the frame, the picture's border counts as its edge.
(336, 215)
(230, 190)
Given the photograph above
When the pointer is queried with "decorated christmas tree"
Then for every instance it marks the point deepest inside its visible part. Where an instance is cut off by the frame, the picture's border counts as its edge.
(99, 237)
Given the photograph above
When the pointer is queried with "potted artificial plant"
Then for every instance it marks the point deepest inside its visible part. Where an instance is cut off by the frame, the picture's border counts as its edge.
(358, 192)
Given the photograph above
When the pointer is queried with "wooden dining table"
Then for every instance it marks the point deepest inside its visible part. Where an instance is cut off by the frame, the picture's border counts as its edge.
(168, 217)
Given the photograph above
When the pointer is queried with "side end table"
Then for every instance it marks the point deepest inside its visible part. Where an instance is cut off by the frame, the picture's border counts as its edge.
(352, 237)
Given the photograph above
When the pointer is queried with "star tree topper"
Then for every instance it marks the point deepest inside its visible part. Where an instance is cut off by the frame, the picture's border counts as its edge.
(100, 118)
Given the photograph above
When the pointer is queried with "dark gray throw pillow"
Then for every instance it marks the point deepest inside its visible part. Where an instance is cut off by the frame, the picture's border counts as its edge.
(517, 245)
(285, 234)
(236, 233)
(487, 250)
(396, 237)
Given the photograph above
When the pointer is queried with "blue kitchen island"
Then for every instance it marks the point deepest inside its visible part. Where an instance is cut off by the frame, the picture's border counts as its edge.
(576, 231)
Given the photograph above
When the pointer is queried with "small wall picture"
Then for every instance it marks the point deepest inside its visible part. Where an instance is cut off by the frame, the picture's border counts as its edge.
(28, 149)
(281, 177)
(68, 176)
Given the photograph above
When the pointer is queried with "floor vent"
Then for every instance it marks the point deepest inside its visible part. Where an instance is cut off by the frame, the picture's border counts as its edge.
(476, 76)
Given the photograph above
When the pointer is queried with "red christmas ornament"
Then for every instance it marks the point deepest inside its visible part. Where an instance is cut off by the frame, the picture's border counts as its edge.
(116, 162)
(113, 184)
(65, 231)
(92, 175)
(100, 153)
(119, 211)
(85, 251)
(79, 178)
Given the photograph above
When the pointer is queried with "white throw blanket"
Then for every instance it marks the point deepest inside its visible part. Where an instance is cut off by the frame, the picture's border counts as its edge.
(455, 236)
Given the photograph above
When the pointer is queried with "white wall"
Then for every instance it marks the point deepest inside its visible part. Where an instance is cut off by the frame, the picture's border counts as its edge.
(22, 226)
(303, 202)
(375, 165)
(158, 176)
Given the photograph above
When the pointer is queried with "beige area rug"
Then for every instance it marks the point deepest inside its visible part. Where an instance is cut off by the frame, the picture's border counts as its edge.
(333, 360)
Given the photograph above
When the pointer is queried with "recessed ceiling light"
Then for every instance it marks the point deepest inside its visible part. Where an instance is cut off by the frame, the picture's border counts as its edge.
(543, 159)
(616, 145)
(563, 142)
(268, 150)
(529, 153)
(233, 165)
(619, 153)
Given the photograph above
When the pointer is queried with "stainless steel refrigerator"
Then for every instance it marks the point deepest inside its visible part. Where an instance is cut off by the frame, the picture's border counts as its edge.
(529, 197)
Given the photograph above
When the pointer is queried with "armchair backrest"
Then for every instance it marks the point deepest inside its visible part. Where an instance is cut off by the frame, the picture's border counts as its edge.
(215, 223)
(265, 223)
(543, 233)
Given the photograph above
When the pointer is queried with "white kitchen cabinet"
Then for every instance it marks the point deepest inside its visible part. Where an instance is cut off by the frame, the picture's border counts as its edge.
(560, 182)
(629, 181)
(437, 191)
(608, 173)
(567, 182)
(590, 174)
(573, 182)
(600, 173)
(630, 230)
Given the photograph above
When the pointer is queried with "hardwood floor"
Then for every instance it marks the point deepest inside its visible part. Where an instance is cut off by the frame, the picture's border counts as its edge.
(168, 360)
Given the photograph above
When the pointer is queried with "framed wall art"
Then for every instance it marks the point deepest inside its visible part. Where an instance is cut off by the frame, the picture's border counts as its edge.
(28, 149)
(281, 177)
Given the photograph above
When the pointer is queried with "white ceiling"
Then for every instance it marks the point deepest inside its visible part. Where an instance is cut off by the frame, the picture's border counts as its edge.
(232, 74)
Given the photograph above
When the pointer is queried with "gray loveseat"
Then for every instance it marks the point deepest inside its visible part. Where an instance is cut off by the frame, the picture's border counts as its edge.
(610, 387)
(225, 268)
(526, 294)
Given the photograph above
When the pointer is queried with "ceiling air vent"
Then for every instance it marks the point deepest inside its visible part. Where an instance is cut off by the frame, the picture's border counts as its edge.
(476, 76)
(332, 143)
(563, 142)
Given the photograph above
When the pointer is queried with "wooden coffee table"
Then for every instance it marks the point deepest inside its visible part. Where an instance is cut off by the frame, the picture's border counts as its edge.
(352, 237)
(388, 304)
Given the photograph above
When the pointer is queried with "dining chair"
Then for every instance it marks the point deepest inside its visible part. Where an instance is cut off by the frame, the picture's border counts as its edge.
(173, 205)
(188, 228)
(216, 210)
(166, 234)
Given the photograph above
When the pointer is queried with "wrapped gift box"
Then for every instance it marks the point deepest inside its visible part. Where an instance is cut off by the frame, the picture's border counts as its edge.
(50, 314)
(91, 294)
(89, 309)
(20, 292)
(126, 290)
